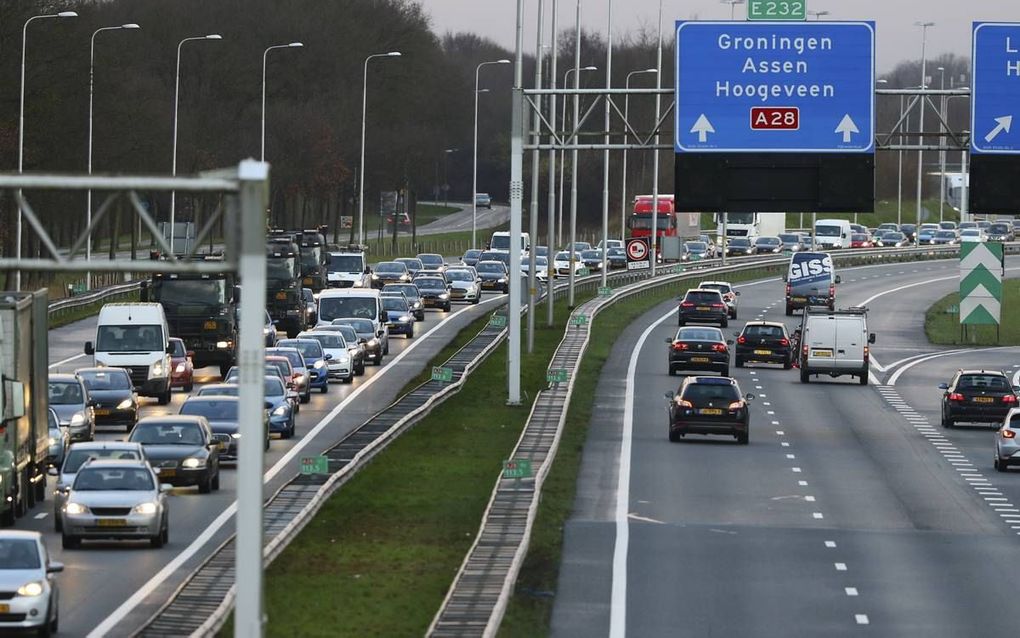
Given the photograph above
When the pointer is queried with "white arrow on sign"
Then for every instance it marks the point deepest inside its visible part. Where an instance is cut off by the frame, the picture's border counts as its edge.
(1004, 123)
(847, 126)
(702, 127)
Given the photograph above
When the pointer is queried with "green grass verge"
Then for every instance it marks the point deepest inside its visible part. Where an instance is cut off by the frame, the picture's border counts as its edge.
(530, 609)
(428, 213)
(463, 337)
(380, 555)
(942, 321)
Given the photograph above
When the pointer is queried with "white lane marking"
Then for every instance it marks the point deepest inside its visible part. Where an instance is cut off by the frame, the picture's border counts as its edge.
(850, 591)
(791, 456)
(802, 483)
(896, 375)
(780, 432)
(809, 499)
(145, 590)
(830, 544)
(817, 515)
(67, 360)
(795, 469)
(861, 619)
(644, 519)
(785, 444)
(840, 567)
(44, 514)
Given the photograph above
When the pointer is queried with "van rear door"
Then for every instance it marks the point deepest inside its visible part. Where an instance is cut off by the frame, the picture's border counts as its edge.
(851, 337)
(820, 340)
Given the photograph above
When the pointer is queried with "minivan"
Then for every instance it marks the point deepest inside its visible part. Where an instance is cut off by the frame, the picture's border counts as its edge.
(835, 343)
(832, 233)
(810, 281)
(135, 336)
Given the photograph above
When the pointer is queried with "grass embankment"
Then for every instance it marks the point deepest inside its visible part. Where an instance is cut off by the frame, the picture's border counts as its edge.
(428, 213)
(381, 554)
(942, 321)
(530, 609)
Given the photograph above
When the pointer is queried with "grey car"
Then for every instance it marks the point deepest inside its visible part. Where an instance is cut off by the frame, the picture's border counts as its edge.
(464, 285)
(76, 456)
(1007, 441)
(366, 332)
(69, 399)
(116, 499)
(223, 414)
(26, 572)
(412, 296)
(59, 441)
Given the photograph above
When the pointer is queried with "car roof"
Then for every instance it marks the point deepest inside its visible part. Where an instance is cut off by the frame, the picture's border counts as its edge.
(172, 418)
(715, 283)
(710, 381)
(705, 290)
(206, 399)
(998, 372)
(777, 324)
(98, 369)
(106, 445)
(20, 533)
(63, 378)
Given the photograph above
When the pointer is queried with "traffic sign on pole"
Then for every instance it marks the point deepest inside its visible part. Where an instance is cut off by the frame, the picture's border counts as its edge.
(637, 253)
(981, 266)
(995, 92)
(746, 87)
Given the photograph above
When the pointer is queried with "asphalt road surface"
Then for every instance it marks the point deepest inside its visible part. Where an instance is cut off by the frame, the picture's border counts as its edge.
(851, 511)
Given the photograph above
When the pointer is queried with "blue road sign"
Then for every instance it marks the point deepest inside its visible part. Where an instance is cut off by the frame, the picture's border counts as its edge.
(995, 92)
(775, 87)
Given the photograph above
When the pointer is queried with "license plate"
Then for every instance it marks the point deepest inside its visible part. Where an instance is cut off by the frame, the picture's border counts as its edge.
(167, 472)
(308, 281)
(984, 399)
(429, 302)
(102, 412)
(703, 308)
(5, 609)
(282, 296)
(799, 299)
(825, 354)
(700, 359)
(111, 522)
(210, 325)
(763, 352)
(712, 411)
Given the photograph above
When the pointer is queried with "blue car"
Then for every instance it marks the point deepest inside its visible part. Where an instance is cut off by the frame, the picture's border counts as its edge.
(281, 403)
(927, 234)
(315, 361)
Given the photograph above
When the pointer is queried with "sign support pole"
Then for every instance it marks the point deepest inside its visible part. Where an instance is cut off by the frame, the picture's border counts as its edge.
(551, 218)
(516, 202)
(533, 218)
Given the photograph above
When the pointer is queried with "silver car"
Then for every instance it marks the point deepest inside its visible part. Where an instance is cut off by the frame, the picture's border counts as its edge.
(69, 399)
(464, 285)
(59, 441)
(26, 572)
(729, 295)
(116, 499)
(76, 456)
(1007, 441)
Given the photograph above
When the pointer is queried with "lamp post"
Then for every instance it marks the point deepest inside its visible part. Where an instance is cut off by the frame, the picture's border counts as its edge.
(361, 176)
(177, 96)
(626, 134)
(21, 125)
(551, 205)
(920, 153)
(563, 121)
(88, 196)
(733, 4)
(265, 54)
(942, 152)
(474, 161)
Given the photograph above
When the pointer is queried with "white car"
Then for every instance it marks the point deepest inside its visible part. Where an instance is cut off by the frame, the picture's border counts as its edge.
(976, 235)
(340, 364)
(729, 295)
(26, 571)
(562, 263)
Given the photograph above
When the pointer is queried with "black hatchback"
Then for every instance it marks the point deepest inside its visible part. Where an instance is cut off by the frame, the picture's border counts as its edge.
(764, 342)
(977, 396)
(703, 306)
(700, 349)
(709, 405)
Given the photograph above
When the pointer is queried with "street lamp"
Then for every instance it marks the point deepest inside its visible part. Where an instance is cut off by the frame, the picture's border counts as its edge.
(733, 4)
(88, 197)
(563, 121)
(361, 177)
(292, 45)
(920, 153)
(21, 125)
(818, 14)
(474, 163)
(626, 134)
(177, 94)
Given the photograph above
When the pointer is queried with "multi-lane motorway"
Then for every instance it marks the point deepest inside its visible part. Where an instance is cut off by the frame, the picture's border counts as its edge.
(852, 509)
(112, 588)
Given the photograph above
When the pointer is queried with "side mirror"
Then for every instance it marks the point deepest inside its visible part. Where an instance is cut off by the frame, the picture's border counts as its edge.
(268, 405)
(736, 292)
(839, 279)
(54, 567)
(669, 396)
(871, 338)
(785, 278)
(668, 340)
(362, 340)
(736, 334)
(89, 349)
(749, 397)
(166, 487)
(943, 386)
(53, 471)
(384, 316)
(327, 356)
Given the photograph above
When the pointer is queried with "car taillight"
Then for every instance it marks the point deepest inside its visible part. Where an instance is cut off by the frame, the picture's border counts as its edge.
(719, 347)
(718, 305)
(741, 339)
(684, 404)
(832, 290)
(1009, 398)
(679, 346)
(1008, 434)
(788, 288)
(867, 353)
(687, 304)
(736, 405)
(955, 396)
(784, 341)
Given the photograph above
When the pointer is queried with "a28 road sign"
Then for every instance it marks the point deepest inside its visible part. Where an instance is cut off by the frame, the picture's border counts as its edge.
(995, 92)
(775, 87)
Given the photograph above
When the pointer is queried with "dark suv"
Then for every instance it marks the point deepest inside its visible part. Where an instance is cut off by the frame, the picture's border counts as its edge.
(977, 396)
(704, 306)
(764, 342)
(699, 348)
(709, 405)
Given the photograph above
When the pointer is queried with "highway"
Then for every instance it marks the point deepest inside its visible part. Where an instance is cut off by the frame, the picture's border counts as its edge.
(852, 509)
(112, 588)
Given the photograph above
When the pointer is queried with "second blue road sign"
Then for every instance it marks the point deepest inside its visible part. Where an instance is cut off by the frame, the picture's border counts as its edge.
(995, 93)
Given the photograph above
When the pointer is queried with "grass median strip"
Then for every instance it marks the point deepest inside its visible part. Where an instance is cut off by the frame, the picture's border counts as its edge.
(942, 321)
(381, 554)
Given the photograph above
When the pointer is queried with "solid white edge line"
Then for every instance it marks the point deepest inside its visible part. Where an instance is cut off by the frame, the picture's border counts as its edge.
(67, 360)
(145, 590)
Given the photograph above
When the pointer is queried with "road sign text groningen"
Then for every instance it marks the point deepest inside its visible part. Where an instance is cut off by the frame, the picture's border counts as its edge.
(814, 80)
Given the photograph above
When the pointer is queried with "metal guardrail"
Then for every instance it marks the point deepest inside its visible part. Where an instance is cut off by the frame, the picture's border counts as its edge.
(95, 296)
(477, 599)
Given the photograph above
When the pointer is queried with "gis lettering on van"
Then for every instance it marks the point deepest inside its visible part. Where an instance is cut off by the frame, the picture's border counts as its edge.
(811, 267)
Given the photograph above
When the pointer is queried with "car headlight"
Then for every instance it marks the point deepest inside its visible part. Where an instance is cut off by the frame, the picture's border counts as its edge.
(54, 440)
(444, 295)
(146, 508)
(33, 588)
(375, 276)
(76, 508)
(235, 435)
(403, 318)
(501, 280)
(280, 410)
(223, 345)
(77, 419)
(157, 369)
(180, 368)
(319, 365)
(265, 332)
(193, 463)
(125, 404)
(359, 283)
(344, 358)
(300, 379)
(373, 342)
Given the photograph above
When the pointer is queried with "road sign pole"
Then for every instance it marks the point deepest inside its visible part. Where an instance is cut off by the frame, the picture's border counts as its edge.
(920, 139)
(533, 217)
(516, 201)
(605, 153)
(550, 298)
(573, 159)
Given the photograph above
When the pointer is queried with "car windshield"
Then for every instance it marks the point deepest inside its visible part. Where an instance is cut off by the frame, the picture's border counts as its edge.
(591, 254)
(65, 393)
(282, 368)
(740, 243)
(350, 335)
(177, 348)
(947, 225)
(19, 553)
(332, 341)
(723, 288)
(167, 433)
(211, 409)
(459, 275)
(562, 256)
(394, 304)
(111, 379)
(101, 479)
(311, 256)
(391, 267)
(699, 334)
(983, 382)
(472, 254)
(295, 358)
(410, 290)
(346, 263)
(893, 237)
(970, 232)
(767, 241)
(963, 225)
(758, 332)
(360, 325)
(696, 246)
(431, 261)
(430, 283)
(76, 457)
(310, 348)
(281, 268)
(614, 252)
(500, 242)
(828, 231)
(858, 237)
(947, 234)
(998, 228)
(789, 239)
(189, 292)
(412, 264)
(331, 308)
(130, 338)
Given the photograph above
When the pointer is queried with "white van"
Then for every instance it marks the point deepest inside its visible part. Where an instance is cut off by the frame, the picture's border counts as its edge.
(347, 270)
(135, 336)
(835, 343)
(356, 303)
(832, 233)
(500, 240)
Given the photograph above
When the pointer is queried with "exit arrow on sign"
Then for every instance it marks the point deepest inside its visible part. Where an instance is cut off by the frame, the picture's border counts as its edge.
(847, 127)
(1004, 123)
(702, 127)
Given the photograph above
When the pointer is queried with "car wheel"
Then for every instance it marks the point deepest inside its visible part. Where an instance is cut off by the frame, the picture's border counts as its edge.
(787, 364)
(45, 630)
(305, 398)
(349, 379)
(55, 623)
(216, 480)
(864, 378)
(743, 439)
(157, 540)
(672, 371)
(164, 398)
(674, 437)
(804, 376)
(386, 347)
(1000, 465)
(205, 486)
(70, 542)
(324, 389)
(733, 315)
(475, 300)
(725, 322)
(947, 422)
(680, 321)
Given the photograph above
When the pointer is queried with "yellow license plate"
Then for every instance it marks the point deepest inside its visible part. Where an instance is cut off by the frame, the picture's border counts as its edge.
(210, 325)
(700, 359)
(5, 609)
(282, 296)
(703, 308)
(111, 522)
(307, 281)
(167, 472)
(825, 354)
(712, 411)
(984, 399)
(764, 352)
(102, 412)
(799, 299)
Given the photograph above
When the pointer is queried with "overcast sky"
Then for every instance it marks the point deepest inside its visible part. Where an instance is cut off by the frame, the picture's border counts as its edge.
(897, 37)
